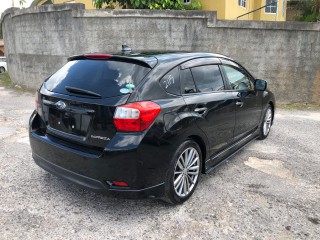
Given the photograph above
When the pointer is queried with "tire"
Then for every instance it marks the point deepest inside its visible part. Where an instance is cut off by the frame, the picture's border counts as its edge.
(2, 70)
(181, 182)
(266, 123)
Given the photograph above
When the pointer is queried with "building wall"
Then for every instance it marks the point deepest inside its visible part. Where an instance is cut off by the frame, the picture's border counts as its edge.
(230, 9)
(233, 10)
(38, 41)
(88, 3)
(215, 5)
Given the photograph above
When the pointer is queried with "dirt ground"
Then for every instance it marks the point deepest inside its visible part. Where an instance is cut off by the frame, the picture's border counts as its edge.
(269, 190)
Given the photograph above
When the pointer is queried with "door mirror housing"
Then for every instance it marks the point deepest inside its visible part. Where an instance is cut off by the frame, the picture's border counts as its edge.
(260, 85)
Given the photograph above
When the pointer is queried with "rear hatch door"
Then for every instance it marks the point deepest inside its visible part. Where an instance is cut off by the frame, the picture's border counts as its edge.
(78, 101)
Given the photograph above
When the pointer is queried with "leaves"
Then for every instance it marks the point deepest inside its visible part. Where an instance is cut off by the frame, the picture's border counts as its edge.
(310, 10)
(149, 4)
(21, 2)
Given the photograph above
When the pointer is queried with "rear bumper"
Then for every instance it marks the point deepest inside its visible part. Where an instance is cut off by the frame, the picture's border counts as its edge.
(96, 185)
(137, 166)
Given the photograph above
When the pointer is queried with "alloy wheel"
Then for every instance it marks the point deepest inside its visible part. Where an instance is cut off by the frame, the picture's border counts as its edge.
(267, 122)
(186, 172)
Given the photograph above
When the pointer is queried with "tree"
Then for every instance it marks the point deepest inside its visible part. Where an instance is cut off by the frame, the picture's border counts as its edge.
(310, 10)
(147, 4)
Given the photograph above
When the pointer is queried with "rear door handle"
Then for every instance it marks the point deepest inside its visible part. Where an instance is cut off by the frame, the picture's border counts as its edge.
(201, 110)
(239, 103)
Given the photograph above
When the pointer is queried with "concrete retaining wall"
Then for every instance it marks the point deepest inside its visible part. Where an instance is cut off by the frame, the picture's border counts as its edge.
(39, 39)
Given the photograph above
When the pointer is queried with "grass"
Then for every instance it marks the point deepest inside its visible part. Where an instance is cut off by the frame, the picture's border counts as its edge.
(298, 106)
(6, 82)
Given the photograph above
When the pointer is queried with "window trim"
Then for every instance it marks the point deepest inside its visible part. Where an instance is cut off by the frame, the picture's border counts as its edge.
(270, 6)
(197, 62)
(242, 3)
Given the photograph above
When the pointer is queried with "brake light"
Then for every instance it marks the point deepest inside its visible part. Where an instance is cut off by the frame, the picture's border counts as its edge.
(36, 96)
(97, 56)
(120, 184)
(135, 117)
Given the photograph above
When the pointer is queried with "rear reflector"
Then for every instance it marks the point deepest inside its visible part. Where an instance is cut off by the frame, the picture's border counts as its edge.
(135, 117)
(97, 56)
(36, 98)
(120, 184)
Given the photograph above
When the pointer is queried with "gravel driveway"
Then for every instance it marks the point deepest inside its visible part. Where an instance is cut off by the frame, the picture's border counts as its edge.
(269, 190)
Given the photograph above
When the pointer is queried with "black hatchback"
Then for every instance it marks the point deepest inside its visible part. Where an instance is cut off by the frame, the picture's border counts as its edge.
(146, 125)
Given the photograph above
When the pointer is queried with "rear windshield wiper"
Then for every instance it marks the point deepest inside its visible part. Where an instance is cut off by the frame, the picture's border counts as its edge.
(82, 91)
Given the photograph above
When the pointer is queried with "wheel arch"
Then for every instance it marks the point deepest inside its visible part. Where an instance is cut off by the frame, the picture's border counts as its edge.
(272, 108)
(203, 148)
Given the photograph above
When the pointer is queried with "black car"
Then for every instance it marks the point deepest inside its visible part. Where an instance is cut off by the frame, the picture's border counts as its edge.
(146, 125)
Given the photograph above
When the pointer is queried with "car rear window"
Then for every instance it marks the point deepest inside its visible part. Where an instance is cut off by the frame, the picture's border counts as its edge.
(171, 81)
(104, 77)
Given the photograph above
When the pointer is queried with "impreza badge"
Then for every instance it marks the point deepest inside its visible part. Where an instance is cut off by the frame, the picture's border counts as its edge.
(101, 138)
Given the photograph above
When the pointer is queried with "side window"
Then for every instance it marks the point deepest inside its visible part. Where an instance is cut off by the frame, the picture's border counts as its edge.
(238, 81)
(208, 78)
(171, 82)
(187, 82)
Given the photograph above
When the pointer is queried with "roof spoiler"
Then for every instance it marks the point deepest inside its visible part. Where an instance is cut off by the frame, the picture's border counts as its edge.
(146, 62)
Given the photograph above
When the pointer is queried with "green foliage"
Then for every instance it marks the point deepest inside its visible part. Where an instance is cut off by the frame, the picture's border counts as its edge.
(193, 6)
(148, 4)
(313, 17)
(310, 10)
(21, 2)
(99, 3)
(157, 4)
(5, 80)
(37, 2)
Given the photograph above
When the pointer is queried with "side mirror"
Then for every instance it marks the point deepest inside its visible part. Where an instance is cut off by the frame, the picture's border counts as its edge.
(260, 85)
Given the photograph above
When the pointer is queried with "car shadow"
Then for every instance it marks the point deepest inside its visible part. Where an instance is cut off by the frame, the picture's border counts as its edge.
(88, 201)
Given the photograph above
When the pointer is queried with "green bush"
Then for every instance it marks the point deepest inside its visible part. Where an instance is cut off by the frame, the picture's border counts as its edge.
(149, 4)
(310, 10)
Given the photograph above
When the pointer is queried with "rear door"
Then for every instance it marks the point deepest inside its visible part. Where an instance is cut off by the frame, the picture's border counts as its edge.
(78, 101)
(248, 102)
(203, 90)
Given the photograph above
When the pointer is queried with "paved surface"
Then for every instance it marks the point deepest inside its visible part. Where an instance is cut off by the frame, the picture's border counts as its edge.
(270, 190)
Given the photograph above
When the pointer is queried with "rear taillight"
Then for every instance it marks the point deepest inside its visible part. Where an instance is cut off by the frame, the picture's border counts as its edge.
(119, 184)
(36, 98)
(135, 117)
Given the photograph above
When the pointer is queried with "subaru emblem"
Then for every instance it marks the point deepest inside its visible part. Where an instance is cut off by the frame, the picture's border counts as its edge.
(61, 105)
